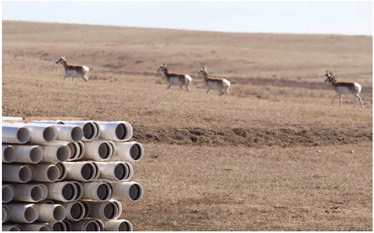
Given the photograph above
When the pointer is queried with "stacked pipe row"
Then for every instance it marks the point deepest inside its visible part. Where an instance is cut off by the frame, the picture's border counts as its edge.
(68, 175)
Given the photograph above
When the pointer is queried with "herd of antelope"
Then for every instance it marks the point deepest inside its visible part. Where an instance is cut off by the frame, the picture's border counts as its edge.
(216, 83)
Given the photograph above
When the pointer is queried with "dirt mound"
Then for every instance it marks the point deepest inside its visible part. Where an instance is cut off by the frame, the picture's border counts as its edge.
(253, 137)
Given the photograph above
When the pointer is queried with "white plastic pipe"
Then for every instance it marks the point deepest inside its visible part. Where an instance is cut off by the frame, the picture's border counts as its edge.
(75, 210)
(11, 227)
(82, 171)
(131, 191)
(88, 225)
(9, 154)
(90, 129)
(56, 153)
(10, 118)
(51, 212)
(99, 150)
(117, 225)
(15, 134)
(100, 191)
(103, 210)
(115, 130)
(5, 216)
(62, 191)
(118, 205)
(36, 227)
(70, 133)
(7, 193)
(39, 133)
(63, 171)
(30, 192)
(46, 172)
(129, 151)
(22, 213)
(17, 173)
(118, 171)
(28, 154)
(69, 226)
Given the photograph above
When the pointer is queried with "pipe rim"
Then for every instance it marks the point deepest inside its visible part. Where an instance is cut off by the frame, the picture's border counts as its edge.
(59, 226)
(124, 226)
(59, 213)
(62, 169)
(73, 149)
(36, 154)
(68, 191)
(23, 135)
(63, 153)
(37, 193)
(53, 173)
(77, 211)
(91, 226)
(7, 193)
(104, 191)
(9, 154)
(121, 171)
(31, 214)
(121, 131)
(76, 134)
(82, 150)
(25, 174)
(110, 210)
(89, 131)
(136, 151)
(88, 171)
(135, 192)
(78, 190)
(49, 133)
(105, 150)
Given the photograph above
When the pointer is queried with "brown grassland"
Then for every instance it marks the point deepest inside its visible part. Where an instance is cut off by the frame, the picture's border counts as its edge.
(274, 155)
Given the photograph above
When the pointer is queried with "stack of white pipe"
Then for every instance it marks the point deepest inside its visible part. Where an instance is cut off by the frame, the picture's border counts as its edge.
(68, 175)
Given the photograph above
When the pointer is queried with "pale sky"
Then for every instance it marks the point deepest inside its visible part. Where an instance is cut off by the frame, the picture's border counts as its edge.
(322, 17)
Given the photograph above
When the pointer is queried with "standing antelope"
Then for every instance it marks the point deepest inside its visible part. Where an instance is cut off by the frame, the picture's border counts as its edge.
(175, 78)
(73, 70)
(221, 84)
(344, 88)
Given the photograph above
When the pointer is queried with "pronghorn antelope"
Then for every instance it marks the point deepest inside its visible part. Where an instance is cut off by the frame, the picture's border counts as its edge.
(73, 70)
(175, 78)
(214, 82)
(344, 88)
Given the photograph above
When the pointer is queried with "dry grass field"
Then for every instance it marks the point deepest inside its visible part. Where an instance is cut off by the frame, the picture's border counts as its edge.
(274, 155)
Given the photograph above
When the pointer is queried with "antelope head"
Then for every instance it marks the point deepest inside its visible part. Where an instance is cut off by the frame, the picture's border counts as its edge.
(203, 72)
(162, 68)
(329, 76)
(62, 60)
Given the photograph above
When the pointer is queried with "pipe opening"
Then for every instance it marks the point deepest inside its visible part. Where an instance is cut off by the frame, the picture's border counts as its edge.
(53, 173)
(110, 210)
(121, 131)
(30, 214)
(88, 171)
(9, 154)
(77, 211)
(59, 226)
(104, 151)
(37, 193)
(59, 213)
(121, 171)
(136, 152)
(104, 191)
(8, 193)
(73, 150)
(63, 153)
(68, 192)
(89, 131)
(135, 192)
(49, 134)
(92, 226)
(124, 226)
(23, 135)
(25, 174)
(36, 154)
(76, 134)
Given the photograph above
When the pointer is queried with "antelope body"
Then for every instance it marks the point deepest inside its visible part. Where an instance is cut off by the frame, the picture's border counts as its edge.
(215, 83)
(74, 70)
(344, 88)
(175, 78)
